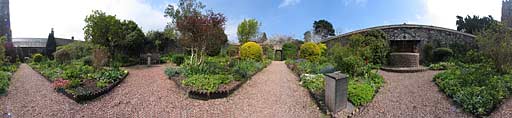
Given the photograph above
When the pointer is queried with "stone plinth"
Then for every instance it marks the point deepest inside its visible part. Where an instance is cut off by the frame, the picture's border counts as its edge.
(336, 86)
(404, 60)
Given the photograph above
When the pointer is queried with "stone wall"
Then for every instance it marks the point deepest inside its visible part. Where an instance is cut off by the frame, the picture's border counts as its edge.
(436, 37)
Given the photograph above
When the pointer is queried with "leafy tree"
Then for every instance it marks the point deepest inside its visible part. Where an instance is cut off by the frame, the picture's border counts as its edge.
(156, 41)
(133, 38)
(121, 37)
(199, 32)
(247, 30)
(495, 43)
(323, 28)
(51, 45)
(103, 29)
(474, 24)
(308, 36)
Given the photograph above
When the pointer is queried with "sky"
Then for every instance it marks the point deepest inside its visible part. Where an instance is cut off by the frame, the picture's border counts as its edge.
(35, 18)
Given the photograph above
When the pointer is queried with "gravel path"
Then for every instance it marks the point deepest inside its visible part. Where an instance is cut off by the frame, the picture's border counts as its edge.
(504, 110)
(146, 92)
(410, 95)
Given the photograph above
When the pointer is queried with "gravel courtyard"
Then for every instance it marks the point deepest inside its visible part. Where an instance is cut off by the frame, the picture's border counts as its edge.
(147, 92)
(410, 95)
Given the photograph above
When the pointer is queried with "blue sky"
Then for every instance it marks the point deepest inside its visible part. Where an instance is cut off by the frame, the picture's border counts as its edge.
(277, 17)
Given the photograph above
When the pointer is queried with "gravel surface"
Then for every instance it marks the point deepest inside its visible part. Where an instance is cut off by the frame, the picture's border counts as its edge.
(147, 92)
(504, 110)
(410, 95)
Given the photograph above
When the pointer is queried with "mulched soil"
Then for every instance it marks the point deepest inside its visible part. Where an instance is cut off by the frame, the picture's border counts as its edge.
(147, 92)
(410, 95)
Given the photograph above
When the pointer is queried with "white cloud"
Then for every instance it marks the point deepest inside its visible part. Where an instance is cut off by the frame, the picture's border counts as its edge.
(35, 18)
(356, 2)
(286, 3)
(442, 12)
(231, 29)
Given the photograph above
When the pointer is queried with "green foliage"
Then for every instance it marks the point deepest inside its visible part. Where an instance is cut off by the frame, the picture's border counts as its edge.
(199, 32)
(159, 40)
(476, 87)
(251, 50)
(360, 93)
(247, 30)
(310, 51)
(178, 59)
(289, 51)
(102, 83)
(121, 37)
(427, 53)
(4, 82)
(314, 83)
(209, 83)
(495, 43)
(77, 70)
(246, 68)
(37, 57)
(2, 49)
(351, 65)
(442, 54)
(76, 73)
(172, 71)
(323, 28)
(74, 51)
(474, 24)
(441, 66)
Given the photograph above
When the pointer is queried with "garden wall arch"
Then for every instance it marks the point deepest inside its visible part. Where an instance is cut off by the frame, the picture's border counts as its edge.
(427, 35)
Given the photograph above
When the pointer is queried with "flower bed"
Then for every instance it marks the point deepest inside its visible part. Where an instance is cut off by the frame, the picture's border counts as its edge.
(6, 72)
(78, 81)
(361, 89)
(217, 77)
(478, 88)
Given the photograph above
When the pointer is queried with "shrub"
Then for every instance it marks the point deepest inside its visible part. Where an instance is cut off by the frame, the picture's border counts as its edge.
(310, 51)
(4, 82)
(100, 57)
(178, 59)
(251, 50)
(62, 56)
(246, 68)
(37, 57)
(76, 70)
(441, 66)
(78, 49)
(360, 93)
(427, 53)
(232, 50)
(2, 48)
(442, 54)
(172, 71)
(314, 83)
(209, 83)
(352, 65)
(289, 51)
(495, 42)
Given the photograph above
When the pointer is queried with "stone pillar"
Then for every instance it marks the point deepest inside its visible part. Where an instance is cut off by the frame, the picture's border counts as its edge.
(149, 59)
(336, 91)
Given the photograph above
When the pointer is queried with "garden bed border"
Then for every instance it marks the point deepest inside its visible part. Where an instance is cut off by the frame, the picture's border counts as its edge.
(86, 97)
(205, 95)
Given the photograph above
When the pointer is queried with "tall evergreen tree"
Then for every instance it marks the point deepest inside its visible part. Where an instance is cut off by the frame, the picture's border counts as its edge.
(323, 28)
(51, 45)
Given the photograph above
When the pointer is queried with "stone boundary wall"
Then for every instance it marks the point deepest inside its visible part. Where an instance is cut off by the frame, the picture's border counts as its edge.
(436, 37)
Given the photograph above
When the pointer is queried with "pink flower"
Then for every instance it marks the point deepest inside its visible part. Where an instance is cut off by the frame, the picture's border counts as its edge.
(60, 83)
